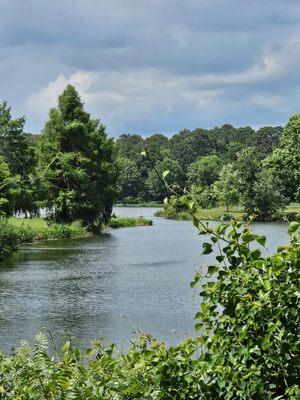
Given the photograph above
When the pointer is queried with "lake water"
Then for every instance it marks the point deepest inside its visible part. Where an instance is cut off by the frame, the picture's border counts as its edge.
(110, 285)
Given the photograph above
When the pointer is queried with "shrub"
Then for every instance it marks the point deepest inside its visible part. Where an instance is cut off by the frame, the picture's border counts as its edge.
(8, 239)
(25, 234)
(123, 222)
(59, 231)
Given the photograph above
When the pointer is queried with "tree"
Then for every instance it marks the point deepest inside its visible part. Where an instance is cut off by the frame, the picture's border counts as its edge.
(205, 171)
(266, 139)
(226, 187)
(6, 198)
(285, 160)
(76, 159)
(155, 185)
(130, 180)
(261, 192)
(19, 154)
(269, 198)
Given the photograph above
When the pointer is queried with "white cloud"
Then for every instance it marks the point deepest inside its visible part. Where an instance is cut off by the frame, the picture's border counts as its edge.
(46, 97)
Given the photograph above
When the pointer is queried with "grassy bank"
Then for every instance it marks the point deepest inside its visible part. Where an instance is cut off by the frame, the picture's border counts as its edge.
(124, 222)
(141, 204)
(291, 213)
(38, 228)
(17, 231)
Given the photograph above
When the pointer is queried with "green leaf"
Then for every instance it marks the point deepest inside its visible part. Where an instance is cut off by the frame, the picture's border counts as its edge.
(207, 248)
(261, 240)
(294, 226)
(143, 153)
(66, 346)
(165, 173)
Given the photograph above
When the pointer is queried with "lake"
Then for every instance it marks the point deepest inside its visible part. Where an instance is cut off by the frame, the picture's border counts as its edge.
(110, 285)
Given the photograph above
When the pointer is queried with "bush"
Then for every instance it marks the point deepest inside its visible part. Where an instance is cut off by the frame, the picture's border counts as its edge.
(59, 231)
(25, 234)
(8, 239)
(123, 222)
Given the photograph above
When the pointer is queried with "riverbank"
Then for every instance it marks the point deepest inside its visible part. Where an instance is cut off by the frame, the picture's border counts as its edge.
(15, 232)
(141, 204)
(291, 213)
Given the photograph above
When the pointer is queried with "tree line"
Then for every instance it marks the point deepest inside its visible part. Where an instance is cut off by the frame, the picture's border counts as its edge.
(74, 171)
(258, 170)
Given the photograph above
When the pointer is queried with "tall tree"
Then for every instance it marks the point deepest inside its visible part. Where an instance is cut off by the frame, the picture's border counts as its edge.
(76, 158)
(285, 160)
(19, 154)
(6, 184)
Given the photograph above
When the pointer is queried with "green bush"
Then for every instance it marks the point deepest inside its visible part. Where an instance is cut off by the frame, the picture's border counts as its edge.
(59, 231)
(25, 234)
(8, 239)
(123, 222)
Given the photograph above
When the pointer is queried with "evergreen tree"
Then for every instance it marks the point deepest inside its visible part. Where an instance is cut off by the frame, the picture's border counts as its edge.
(76, 160)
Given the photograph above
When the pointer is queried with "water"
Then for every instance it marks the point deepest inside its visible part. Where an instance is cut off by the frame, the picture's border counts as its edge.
(108, 286)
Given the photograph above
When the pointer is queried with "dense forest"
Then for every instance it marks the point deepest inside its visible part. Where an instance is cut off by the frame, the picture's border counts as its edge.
(258, 170)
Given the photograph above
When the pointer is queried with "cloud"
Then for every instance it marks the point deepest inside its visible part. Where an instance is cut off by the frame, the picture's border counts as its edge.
(153, 65)
(46, 97)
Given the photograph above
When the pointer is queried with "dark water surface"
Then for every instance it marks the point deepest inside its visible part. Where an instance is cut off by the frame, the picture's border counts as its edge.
(109, 286)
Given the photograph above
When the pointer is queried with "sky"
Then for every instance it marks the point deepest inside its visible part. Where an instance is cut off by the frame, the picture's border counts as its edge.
(153, 66)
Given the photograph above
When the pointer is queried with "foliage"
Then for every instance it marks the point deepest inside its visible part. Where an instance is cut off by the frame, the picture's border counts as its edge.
(285, 160)
(154, 183)
(76, 160)
(8, 239)
(6, 183)
(19, 154)
(187, 146)
(205, 171)
(130, 181)
(260, 191)
(123, 222)
(247, 348)
(226, 187)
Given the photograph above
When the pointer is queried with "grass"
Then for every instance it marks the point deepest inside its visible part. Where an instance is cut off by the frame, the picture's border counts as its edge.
(216, 213)
(205, 214)
(141, 204)
(123, 222)
(38, 228)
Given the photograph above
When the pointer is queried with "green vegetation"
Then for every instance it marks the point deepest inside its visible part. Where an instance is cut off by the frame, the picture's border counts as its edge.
(123, 222)
(291, 213)
(247, 346)
(76, 160)
(134, 203)
(39, 228)
(257, 171)
(16, 231)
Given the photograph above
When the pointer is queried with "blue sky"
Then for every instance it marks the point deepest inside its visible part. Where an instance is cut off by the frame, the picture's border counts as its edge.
(149, 66)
